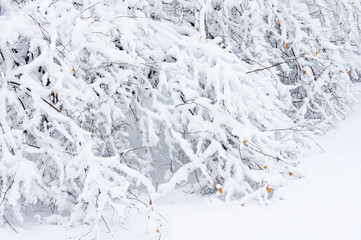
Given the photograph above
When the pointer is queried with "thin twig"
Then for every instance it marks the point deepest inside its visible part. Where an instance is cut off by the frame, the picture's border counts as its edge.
(228, 110)
(7, 221)
(165, 164)
(96, 202)
(89, 7)
(197, 132)
(250, 60)
(116, 128)
(106, 223)
(30, 145)
(53, 207)
(129, 17)
(18, 84)
(239, 151)
(3, 199)
(52, 3)
(56, 173)
(267, 155)
(195, 173)
(42, 29)
(187, 103)
(22, 104)
(133, 112)
(288, 129)
(275, 65)
(133, 65)
(104, 34)
(131, 149)
(214, 180)
(136, 198)
(51, 105)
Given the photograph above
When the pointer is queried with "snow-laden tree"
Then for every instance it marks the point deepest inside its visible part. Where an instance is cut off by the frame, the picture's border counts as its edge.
(111, 104)
(318, 40)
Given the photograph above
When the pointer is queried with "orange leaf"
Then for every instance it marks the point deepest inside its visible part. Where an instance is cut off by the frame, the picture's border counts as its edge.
(268, 189)
(287, 46)
(220, 190)
(47, 195)
(349, 72)
(316, 53)
(304, 71)
(265, 167)
(290, 173)
(278, 23)
(244, 141)
(73, 69)
(150, 202)
(157, 230)
(148, 217)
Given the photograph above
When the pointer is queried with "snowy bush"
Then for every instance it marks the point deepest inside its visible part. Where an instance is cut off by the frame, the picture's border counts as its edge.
(111, 104)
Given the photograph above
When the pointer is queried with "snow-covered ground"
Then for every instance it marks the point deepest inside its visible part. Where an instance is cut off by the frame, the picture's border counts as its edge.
(325, 204)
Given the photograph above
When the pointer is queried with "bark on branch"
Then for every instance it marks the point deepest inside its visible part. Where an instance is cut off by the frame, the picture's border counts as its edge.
(276, 64)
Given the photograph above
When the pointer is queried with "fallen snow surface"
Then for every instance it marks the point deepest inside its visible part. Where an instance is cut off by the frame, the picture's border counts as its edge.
(325, 204)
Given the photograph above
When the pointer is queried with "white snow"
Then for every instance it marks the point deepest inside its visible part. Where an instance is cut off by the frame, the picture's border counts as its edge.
(125, 112)
(324, 204)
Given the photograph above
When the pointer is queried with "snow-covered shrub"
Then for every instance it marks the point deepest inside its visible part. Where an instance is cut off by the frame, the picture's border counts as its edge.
(101, 101)
(319, 41)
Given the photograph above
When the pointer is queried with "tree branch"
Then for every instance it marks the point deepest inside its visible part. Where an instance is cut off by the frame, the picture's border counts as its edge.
(277, 64)
(3, 199)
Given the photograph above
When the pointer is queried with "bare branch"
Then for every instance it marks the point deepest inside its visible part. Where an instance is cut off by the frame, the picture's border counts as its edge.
(106, 224)
(7, 221)
(268, 155)
(277, 64)
(3, 199)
